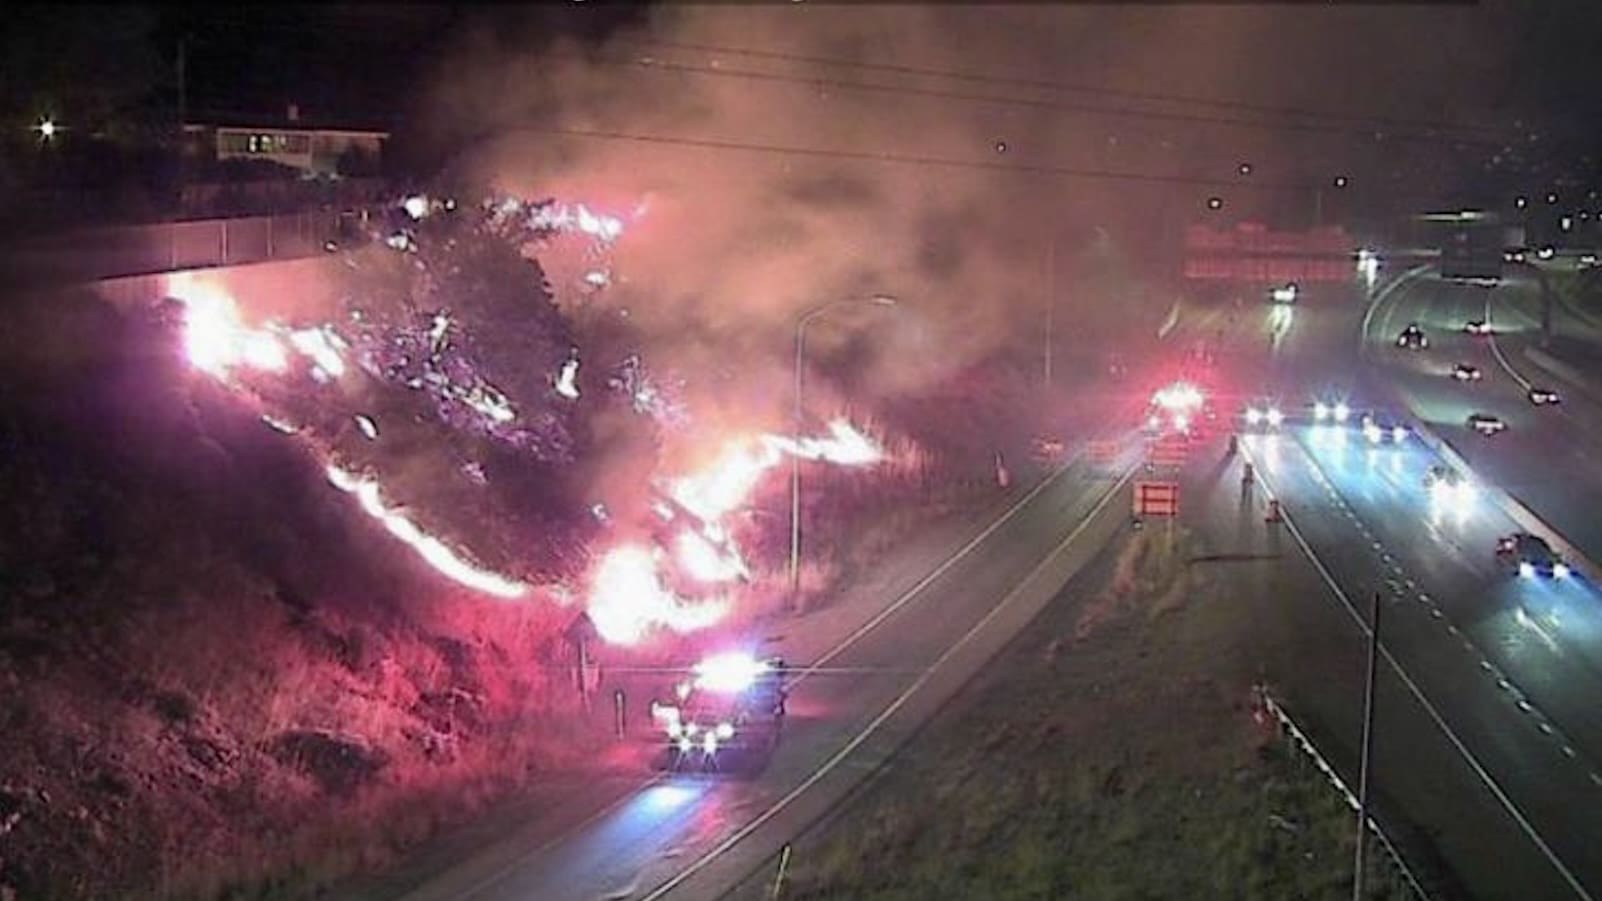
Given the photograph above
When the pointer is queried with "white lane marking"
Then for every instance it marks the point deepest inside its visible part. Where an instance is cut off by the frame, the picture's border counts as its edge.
(1429, 708)
(521, 859)
(1496, 351)
(911, 593)
(1380, 298)
(889, 711)
(832, 653)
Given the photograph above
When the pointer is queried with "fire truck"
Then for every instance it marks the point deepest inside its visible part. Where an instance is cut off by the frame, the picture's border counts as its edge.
(726, 717)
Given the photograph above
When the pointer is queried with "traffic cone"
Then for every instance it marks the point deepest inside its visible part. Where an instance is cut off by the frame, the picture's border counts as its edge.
(1273, 511)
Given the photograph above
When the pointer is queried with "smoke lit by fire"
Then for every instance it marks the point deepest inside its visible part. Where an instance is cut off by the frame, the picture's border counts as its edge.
(686, 580)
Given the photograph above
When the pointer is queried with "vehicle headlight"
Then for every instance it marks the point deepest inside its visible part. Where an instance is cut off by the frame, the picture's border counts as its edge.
(710, 743)
(1342, 412)
(1320, 410)
(690, 728)
(725, 731)
(1398, 433)
(1254, 416)
(674, 729)
(1275, 417)
(684, 745)
(1526, 569)
(1372, 433)
(1560, 570)
(1182, 423)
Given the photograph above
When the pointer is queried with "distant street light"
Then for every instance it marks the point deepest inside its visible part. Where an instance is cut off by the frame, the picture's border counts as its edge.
(1340, 181)
(1551, 197)
(1244, 168)
(1215, 203)
(1521, 201)
(881, 300)
(47, 129)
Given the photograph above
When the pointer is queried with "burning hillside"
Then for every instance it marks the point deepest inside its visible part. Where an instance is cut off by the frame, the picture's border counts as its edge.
(454, 366)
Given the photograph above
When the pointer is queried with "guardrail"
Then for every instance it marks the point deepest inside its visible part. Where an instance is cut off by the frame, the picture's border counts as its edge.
(1299, 738)
(1515, 509)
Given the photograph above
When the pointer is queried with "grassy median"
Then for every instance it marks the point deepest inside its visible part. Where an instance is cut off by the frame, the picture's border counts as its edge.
(1110, 752)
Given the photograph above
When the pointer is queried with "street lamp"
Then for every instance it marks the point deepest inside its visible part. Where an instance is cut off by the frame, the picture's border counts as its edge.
(47, 129)
(880, 300)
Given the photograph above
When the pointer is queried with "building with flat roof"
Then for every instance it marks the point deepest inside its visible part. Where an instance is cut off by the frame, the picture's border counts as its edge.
(313, 148)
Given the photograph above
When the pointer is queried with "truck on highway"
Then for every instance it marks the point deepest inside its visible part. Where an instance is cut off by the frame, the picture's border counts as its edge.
(726, 717)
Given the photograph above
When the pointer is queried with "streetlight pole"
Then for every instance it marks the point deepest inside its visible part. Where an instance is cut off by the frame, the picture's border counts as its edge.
(1359, 866)
(881, 300)
(1051, 298)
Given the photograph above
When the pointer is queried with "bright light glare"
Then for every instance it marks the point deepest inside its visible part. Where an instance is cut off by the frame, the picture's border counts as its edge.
(1275, 417)
(428, 547)
(1560, 570)
(1342, 412)
(567, 381)
(732, 671)
(1178, 396)
(627, 599)
(416, 206)
(1526, 569)
(1254, 416)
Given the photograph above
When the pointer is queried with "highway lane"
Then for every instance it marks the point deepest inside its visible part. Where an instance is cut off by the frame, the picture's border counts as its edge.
(1288, 626)
(658, 832)
(1546, 457)
(1519, 702)
(1510, 666)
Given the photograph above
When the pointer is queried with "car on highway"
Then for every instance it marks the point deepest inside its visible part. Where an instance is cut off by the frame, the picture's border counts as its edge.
(1441, 474)
(1263, 415)
(1464, 372)
(1331, 411)
(1477, 327)
(1530, 556)
(1379, 429)
(1049, 449)
(1178, 407)
(1516, 255)
(727, 717)
(1486, 423)
(1413, 337)
(1446, 484)
(1542, 397)
(1587, 261)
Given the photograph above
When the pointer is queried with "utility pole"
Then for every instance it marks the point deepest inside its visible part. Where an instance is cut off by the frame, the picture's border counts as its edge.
(183, 116)
(1368, 748)
(1051, 297)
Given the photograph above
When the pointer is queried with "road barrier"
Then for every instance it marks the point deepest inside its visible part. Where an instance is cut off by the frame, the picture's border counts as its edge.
(130, 250)
(1512, 506)
(1288, 726)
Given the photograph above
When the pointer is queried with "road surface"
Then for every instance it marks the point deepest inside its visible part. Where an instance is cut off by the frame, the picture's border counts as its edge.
(876, 679)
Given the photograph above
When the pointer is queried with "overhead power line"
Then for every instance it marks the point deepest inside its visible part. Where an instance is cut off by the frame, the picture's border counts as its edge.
(1353, 128)
(1026, 102)
(1484, 132)
(919, 160)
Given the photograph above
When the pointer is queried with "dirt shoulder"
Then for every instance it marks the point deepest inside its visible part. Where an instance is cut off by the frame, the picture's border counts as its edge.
(1111, 752)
